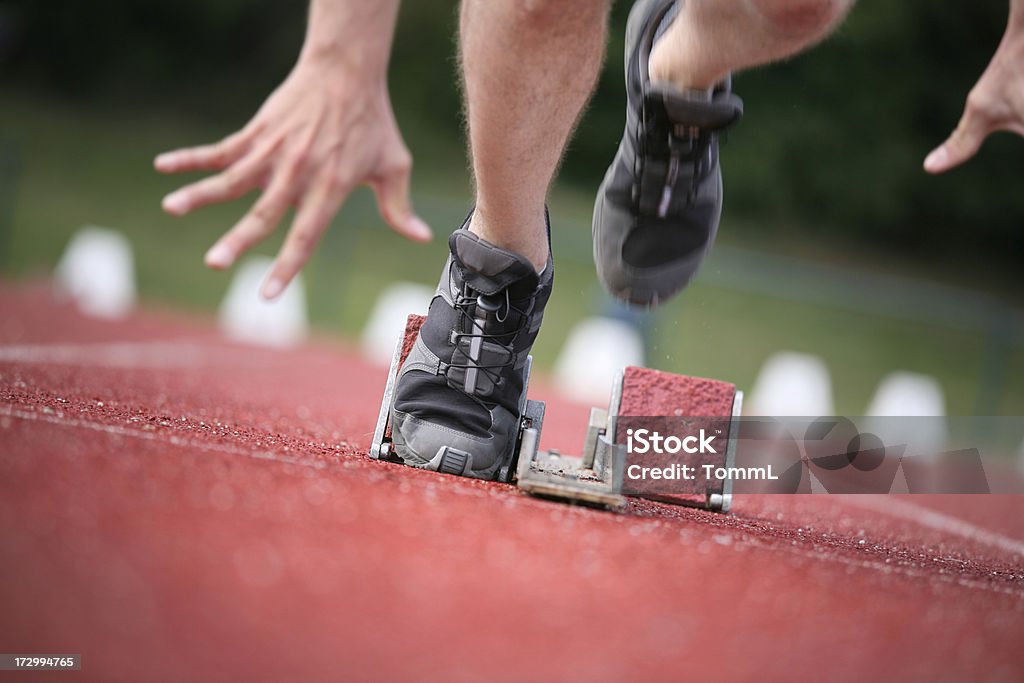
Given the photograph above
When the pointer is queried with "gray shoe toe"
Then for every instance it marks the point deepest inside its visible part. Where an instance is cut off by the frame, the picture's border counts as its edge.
(439, 448)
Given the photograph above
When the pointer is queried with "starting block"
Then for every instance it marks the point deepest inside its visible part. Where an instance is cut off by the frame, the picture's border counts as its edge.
(596, 476)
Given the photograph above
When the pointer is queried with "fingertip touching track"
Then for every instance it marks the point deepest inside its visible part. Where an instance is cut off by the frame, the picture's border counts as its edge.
(177, 507)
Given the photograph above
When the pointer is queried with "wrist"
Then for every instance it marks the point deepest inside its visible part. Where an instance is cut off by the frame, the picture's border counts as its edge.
(351, 37)
(337, 80)
(335, 58)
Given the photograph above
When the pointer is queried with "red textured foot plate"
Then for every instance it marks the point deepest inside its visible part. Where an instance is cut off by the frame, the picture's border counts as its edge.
(657, 398)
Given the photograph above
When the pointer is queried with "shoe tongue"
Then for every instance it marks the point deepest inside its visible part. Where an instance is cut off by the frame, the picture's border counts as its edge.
(722, 110)
(488, 269)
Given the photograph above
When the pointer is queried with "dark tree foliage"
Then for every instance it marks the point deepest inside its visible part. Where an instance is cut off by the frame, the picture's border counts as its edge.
(832, 142)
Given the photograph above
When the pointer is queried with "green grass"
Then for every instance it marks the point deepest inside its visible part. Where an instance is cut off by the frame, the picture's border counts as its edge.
(93, 167)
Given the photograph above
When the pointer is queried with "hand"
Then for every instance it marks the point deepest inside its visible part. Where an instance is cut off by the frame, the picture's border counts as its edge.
(996, 103)
(317, 137)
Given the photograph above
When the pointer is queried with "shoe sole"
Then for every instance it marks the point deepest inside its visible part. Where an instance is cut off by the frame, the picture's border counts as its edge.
(647, 286)
(639, 294)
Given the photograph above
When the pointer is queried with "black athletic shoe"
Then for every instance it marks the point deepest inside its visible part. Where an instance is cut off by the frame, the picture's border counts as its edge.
(657, 211)
(461, 392)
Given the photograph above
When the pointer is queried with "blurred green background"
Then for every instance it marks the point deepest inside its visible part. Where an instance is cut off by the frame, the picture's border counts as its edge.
(833, 240)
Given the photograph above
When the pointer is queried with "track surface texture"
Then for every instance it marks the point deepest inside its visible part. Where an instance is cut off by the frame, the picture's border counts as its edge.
(177, 507)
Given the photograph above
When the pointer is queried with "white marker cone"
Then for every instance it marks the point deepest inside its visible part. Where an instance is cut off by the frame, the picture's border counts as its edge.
(597, 348)
(387, 320)
(903, 395)
(97, 271)
(792, 385)
(1020, 459)
(908, 394)
(245, 316)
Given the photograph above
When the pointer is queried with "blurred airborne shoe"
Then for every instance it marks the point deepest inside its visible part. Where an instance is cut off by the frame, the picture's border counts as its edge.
(657, 210)
(461, 391)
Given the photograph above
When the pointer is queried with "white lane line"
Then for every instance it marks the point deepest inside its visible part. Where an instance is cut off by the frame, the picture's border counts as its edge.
(113, 354)
(934, 519)
(159, 438)
(743, 536)
(881, 567)
(154, 354)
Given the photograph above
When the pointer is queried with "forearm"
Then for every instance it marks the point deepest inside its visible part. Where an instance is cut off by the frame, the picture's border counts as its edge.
(1016, 21)
(354, 34)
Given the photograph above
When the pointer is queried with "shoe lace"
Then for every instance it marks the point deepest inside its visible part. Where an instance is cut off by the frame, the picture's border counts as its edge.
(483, 307)
(690, 144)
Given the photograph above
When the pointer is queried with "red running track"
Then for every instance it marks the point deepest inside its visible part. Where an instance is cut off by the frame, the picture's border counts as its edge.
(175, 507)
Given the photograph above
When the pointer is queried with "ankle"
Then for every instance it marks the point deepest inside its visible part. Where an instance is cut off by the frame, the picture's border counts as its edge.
(707, 40)
(678, 59)
(530, 243)
(800, 21)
